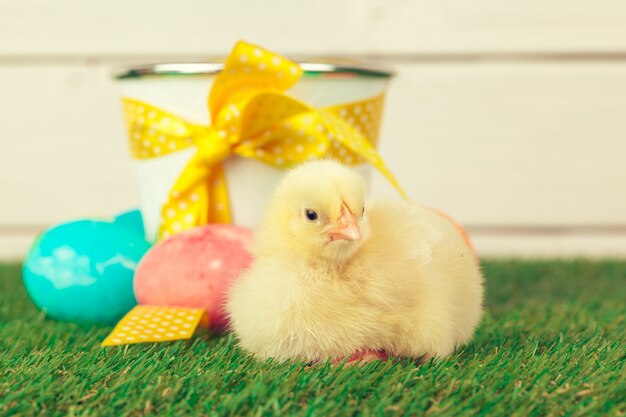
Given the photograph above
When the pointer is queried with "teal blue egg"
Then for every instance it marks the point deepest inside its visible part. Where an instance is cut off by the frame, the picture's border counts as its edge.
(131, 219)
(82, 271)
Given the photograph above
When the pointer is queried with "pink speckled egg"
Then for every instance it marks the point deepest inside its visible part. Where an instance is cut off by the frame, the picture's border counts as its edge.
(194, 269)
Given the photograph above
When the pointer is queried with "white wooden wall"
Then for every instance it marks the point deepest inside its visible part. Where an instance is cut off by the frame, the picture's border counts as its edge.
(511, 116)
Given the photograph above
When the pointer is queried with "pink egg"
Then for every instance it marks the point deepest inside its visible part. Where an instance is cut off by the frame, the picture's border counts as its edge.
(194, 269)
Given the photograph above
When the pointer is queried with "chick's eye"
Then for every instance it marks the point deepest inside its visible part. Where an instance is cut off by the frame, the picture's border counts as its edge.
(311, 215)
(363, 212)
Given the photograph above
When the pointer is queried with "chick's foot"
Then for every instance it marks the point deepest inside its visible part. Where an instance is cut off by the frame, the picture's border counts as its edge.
(362, 357)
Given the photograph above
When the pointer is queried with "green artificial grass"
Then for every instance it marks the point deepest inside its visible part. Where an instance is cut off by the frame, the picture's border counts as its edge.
(552, 343)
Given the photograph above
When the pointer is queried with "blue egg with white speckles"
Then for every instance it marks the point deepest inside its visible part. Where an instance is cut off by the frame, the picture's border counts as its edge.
(82, 271)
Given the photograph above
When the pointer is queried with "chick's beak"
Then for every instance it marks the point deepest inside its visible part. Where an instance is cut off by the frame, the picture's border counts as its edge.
(348, 226)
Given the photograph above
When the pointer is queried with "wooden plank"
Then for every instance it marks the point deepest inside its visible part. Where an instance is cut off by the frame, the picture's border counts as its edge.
(62, 149)
(433, 26)
(533, 246)
(200, 28)
(491, 144)
(75, 27)
(511, 144)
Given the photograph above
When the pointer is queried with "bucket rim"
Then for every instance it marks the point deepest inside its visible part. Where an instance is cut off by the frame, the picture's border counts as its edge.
(310, 68)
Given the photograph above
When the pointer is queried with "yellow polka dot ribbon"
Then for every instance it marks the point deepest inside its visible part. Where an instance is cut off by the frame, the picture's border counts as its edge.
(252, 117)
(156, 324)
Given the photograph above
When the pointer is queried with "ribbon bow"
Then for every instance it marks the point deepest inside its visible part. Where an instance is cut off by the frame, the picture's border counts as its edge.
(252, 117)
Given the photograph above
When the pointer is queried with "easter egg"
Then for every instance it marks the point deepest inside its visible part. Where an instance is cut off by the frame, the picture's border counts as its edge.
(194, 269)
(82, 271)
(132, 220)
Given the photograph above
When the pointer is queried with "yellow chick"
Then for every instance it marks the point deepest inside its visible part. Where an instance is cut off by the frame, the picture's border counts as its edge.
(333, 276)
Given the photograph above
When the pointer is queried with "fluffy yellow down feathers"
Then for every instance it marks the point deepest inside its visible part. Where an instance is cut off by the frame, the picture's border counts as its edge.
(334, 275)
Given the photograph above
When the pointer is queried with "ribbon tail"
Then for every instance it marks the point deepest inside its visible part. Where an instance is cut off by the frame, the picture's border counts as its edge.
(184, 210)
(188, 200)
(218, 210)
(199, 203)
(382, 168)
(357, 143)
